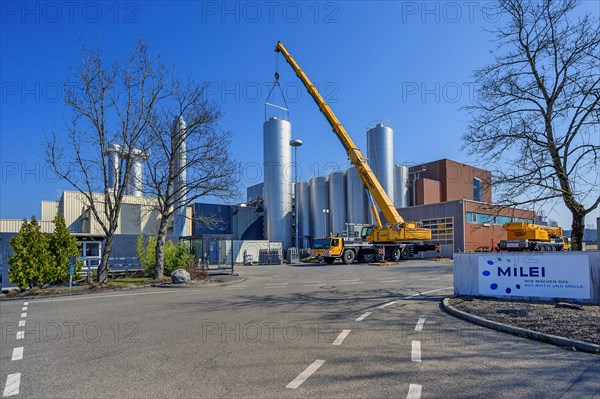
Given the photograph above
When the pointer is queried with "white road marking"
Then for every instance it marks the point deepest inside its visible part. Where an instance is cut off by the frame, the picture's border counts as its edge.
(270, 284)
(12, 385)
(414, 391)
(352, 282)
(312, 282)
(24, 308)
(385, 278)
(341, 337)
(305, 374)
(385, 305)
(420, 323)
(426, 292)
(314, 285)
(21, 323)
(354, 279)
(23, 315)
(25, 303)
(390, 281)
(17, 353)
(363, 316)
(415, 354)
(20, 334)
(96, 296)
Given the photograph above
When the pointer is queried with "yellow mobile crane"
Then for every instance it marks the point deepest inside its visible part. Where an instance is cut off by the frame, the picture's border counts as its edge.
(380, 242)
(523, 236)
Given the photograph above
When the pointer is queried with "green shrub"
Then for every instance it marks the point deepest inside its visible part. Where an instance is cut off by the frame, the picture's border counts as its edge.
(176, 256)
(31, 264)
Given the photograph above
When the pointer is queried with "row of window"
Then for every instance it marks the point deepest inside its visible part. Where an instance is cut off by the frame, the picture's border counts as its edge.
(442, 229)
(483, 218)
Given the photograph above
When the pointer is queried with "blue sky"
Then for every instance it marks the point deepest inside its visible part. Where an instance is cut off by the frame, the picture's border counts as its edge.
(406, 62)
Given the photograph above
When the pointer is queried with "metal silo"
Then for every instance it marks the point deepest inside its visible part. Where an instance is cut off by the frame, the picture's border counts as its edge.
(337, 203)
(303, 198)
(356, 198)
(319, 200)
(380, 150)
(135, 183)
(179, 189)
(400, 186)
(114, 166)
(278, 180)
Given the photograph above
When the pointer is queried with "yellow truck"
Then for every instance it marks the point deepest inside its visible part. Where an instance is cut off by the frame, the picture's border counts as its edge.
(397, 239)
(524, 236)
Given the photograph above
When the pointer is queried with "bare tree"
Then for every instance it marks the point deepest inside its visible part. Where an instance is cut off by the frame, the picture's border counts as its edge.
(189, 158)
(110, 104)
(537, 114)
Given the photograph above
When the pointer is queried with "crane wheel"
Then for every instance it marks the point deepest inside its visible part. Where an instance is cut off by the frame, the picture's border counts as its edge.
(396, 254)
(404, 255)
(348, 257)
(368, 257)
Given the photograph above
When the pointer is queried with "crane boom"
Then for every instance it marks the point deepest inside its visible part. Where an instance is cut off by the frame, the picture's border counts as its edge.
(358, 160)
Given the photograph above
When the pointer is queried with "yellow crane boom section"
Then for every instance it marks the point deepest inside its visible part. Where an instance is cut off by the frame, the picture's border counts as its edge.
(364, 170)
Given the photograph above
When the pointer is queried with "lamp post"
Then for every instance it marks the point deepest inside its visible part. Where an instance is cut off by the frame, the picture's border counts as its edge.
(326, 214)
(296, 143)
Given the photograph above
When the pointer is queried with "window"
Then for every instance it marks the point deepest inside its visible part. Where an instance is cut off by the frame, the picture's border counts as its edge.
(477, 190)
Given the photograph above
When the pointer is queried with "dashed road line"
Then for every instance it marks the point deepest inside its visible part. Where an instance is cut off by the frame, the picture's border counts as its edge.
(314, 285)
(20, 334)
(24, 308)
(17, 353)
(341, 337)
(420, 323)
(26, 303)
(363, 316)
(23, 315)
(352, 282)
(385, 305)
(390, 281)
(96, 296)
(296, 382)
(415, 354)
(414, 391)
(345, 281)
(272, 284)
(384, 278)
(13, 381)
(21, 323)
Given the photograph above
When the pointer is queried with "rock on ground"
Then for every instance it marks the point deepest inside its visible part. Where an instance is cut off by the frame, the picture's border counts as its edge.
(180, 276)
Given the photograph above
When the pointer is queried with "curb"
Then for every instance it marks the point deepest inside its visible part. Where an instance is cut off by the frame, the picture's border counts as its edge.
(523, 332)
(184, 286)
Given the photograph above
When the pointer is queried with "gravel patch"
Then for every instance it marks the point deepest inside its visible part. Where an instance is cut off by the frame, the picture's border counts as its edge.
(580, 322)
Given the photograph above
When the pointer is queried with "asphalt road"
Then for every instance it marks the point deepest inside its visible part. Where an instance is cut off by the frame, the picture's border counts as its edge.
(285, 332)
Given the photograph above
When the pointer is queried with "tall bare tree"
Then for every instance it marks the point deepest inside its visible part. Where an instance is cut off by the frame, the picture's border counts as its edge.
(189, 158)
(109, 104)
(537, 114)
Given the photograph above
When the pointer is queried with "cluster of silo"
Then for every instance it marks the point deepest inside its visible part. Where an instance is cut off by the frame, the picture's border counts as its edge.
(135, 182)
(325, 204)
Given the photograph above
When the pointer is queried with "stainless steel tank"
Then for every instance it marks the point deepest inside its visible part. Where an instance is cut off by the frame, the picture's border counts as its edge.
(380, 153)
(135, 183)
(278, 180)
(114, 166)
(319, 201)
(400, 186)
(303, 213)
(337, 203)
(356, 198)
(179, 188)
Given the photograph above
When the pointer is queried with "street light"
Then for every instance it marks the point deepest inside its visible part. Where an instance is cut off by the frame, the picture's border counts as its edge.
(326, 213)
(296, 143)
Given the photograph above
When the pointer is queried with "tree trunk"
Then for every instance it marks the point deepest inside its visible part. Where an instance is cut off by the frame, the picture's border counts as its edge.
(159, 267)
(577, 228)
(103, 267)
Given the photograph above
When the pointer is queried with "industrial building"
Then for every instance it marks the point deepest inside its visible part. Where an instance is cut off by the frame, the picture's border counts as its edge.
(450, 198)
